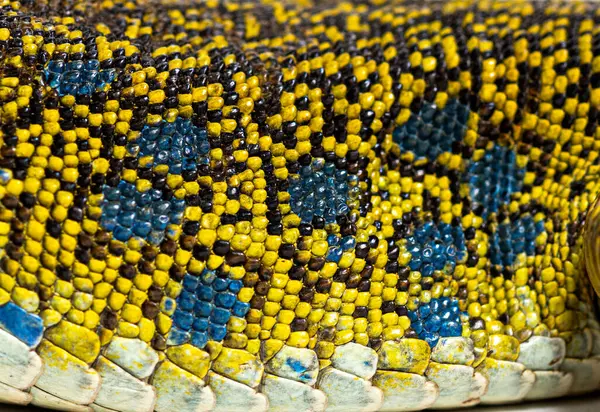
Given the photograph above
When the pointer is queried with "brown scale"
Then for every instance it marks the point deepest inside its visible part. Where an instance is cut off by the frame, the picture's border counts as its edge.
(177, 272)
(299, 324)
(252, 264)
(150, 309)
(155, 294)
(375, 343)
(159, 342)
(168, 247)
(316, 263)
(45, 293)
(116, 248)
(342, 275)
(149, 252)
(306, 294)
(250, 279)
(187, 242)
(127, 271)
(327, 334)
(108, 319)
(257, 302)
(145, 267)
(235, 258)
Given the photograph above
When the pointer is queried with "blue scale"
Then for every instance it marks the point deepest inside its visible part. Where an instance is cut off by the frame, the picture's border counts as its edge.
(514, 238)
(225, 300)
(494, 178)
(186, 300)
(199, 339)
(438, 318)
(77, 77)
(200, 324)
(321, 190)
(25, 326)
(240, 309)
(204, 307)
(217, 332)
(220, 316)
(183, 319)
(179, 145)
(435, 248)
(127, 213)
(432, 131)
(177, 337)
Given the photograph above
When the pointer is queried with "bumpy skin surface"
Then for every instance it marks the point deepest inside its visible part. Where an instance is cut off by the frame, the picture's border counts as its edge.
(297, 205)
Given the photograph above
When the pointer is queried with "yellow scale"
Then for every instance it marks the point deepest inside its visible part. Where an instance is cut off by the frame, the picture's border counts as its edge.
(591, 244)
